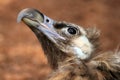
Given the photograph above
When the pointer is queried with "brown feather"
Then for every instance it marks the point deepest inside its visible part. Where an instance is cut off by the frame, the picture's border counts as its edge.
(105, 66)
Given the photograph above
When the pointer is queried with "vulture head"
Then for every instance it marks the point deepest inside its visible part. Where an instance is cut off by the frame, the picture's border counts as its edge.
(59, 40)
(73, 46)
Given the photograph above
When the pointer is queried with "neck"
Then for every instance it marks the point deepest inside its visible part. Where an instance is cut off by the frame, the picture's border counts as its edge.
(54, 55)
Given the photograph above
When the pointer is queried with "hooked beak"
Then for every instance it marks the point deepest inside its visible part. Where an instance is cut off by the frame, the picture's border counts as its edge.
(36, 20)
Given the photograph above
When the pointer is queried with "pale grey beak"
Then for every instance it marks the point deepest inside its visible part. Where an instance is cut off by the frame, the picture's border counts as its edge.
(35, 19)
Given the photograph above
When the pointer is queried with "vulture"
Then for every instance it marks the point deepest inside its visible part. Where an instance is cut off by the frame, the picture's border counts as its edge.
(71, 50)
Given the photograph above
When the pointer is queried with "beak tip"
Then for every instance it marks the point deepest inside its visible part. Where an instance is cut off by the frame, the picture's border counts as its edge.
(22, 14)
(18, 19)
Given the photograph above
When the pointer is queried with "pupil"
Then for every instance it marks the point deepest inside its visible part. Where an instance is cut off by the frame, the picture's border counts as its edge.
(72, 30)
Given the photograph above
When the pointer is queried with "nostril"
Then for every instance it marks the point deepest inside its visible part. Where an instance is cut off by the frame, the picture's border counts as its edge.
(47, 20)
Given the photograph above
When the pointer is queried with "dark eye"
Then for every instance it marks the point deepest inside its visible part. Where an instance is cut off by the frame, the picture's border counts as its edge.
(72, 30)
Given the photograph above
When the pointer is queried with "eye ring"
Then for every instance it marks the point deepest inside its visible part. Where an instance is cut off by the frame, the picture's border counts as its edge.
(72, 30)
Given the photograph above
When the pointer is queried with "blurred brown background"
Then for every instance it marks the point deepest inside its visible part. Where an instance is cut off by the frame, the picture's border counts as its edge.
(21, 57)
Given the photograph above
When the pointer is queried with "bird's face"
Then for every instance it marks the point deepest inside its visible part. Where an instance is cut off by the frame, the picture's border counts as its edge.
(69, 38)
